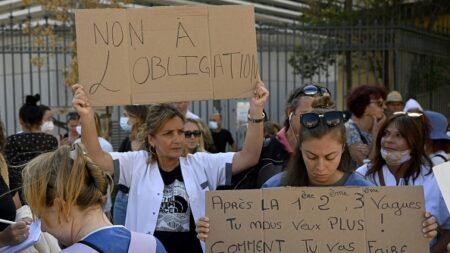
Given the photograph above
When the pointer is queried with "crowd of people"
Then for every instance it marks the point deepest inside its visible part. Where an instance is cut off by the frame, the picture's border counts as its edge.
(171, 158)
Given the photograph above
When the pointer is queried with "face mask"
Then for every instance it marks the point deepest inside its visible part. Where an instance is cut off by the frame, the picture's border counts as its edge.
(213, 125)
(395, 158)
(124, 124)
(47, 127)
(78, 128)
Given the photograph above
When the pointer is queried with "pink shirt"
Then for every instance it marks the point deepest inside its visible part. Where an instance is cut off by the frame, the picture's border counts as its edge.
(281, 136)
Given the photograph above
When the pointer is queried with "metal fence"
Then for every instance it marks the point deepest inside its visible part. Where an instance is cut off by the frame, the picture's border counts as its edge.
(389, 55)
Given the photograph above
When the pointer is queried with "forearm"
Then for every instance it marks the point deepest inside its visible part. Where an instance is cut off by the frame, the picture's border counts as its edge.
(89, 138)
(251, 149)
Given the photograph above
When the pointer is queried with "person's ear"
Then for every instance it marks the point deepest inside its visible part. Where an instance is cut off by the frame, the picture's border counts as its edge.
(290, 116)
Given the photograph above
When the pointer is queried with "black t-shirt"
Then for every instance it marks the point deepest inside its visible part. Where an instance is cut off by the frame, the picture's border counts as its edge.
(221, 139)
(7, 207)
(175, 227)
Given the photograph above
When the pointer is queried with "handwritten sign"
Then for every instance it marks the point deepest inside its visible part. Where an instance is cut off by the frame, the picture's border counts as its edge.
(166, 54)
(316, 219)
(442, 174)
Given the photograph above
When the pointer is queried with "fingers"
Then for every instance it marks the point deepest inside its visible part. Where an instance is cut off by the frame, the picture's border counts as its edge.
(202, 228)
(80, 99)
(430, 226)
(19, 231)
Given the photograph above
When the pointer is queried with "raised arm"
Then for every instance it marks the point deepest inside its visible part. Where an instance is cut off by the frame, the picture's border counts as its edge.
(251, 150)
(89, 135)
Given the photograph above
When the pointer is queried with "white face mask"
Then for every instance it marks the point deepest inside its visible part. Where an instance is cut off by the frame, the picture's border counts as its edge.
(47, 127)
(213, 125)
(395, 158)
(78, 128)
(124, 124)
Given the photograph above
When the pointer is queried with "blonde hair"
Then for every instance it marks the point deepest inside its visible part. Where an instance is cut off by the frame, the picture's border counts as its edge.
(56, 176)
(157, 117)
(201, 147)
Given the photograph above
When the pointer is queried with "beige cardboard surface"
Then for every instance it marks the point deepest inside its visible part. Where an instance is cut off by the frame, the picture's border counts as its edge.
(165, 54)
(442, 174)
(317, 219)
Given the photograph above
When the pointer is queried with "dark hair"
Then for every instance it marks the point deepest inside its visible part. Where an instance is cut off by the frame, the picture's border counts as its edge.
(73, 116)
(29, 113)
(44, 108)
(438, 145)
(359, 98)
(296, 172)
(412, 129)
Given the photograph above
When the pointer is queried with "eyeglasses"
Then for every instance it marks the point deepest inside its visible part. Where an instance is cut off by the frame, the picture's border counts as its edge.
(312, 90)
(380, 103)
(410, 114)
(332, 119)
(188, 134)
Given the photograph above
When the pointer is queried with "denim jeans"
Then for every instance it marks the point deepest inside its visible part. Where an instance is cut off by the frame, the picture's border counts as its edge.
(120, 208)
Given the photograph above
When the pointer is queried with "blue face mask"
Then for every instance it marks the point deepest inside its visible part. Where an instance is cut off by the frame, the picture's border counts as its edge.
(213, 125)
(124, 124)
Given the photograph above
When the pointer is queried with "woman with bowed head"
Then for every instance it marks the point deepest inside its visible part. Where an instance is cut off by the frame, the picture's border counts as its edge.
(320, 159)
(167, 190)
(400, 159)
(67, 191)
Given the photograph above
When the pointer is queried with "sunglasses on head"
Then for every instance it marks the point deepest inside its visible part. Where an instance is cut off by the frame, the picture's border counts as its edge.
(409, 114)
(332, 119)
(188, 134)
(312, 90)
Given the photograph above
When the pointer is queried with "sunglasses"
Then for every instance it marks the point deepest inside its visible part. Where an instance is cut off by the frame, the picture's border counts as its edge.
(332, 119)
(188, 134)
(312, 90)
(409, 114)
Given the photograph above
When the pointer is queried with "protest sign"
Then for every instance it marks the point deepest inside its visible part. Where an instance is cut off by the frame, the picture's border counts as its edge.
(442, 174)
(316, 219)
(166, 54)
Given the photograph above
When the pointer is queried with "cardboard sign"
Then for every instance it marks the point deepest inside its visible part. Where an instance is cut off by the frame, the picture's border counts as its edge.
(442, 174)
(166, 54)
(317, 219)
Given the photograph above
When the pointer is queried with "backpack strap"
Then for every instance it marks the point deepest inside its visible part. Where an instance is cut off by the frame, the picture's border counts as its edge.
(441, 156)
(80, 247)
(142, 243)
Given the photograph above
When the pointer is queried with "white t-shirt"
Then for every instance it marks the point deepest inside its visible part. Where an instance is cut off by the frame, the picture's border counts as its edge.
(434, 202)
(201, 172)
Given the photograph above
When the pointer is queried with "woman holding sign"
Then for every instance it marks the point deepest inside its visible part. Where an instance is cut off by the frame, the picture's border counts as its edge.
(320, 159)
(167, 191)
(401, 160)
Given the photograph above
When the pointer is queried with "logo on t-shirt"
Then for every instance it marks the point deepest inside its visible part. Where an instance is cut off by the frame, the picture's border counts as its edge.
(175, 212)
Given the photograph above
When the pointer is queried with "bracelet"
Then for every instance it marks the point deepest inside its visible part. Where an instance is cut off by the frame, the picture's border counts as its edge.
(258, 120)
